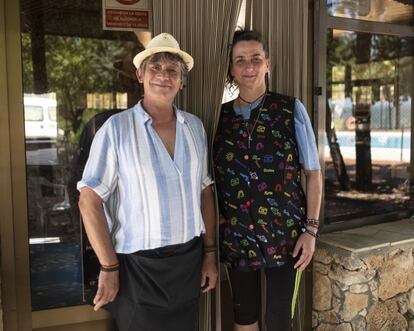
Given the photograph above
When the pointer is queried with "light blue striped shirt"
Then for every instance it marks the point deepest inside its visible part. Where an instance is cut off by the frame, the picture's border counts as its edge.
(308, 152)
(150, 200)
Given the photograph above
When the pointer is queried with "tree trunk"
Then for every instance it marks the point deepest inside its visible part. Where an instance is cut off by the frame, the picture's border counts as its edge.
(337, 159)
(363, 146)
(363, 122)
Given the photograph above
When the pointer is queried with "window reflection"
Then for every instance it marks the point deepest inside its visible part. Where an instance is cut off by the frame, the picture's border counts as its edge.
(369, 93)
(389, 11)
(75, 76)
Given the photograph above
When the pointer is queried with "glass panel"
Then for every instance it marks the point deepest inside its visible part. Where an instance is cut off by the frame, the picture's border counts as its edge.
(75, 76)
(389, 11)
(33, 113)
(52, 113)
(368, 145)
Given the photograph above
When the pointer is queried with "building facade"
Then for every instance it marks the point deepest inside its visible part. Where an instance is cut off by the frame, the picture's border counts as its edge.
(351, 62)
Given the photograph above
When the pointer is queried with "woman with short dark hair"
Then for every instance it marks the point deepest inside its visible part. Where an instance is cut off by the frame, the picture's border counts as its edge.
(264, 142)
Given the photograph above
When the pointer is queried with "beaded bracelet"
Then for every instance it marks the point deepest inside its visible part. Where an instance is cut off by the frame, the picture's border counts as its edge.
(312, 226)
(312, 222)
(313, 234)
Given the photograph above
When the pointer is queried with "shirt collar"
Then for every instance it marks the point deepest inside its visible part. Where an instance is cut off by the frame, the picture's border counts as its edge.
(146, 117)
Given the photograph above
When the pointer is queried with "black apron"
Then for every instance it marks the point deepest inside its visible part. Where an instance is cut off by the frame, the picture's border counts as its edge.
(159, 288)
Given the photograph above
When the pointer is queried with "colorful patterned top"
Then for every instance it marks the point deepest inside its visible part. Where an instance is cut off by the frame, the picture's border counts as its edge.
(257, 173)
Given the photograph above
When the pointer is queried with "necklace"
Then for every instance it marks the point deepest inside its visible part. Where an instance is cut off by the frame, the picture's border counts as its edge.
(250, 132)
(250, 103)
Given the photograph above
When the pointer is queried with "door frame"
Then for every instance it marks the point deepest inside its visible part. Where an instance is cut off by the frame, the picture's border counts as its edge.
(15, 266)
(14, 253)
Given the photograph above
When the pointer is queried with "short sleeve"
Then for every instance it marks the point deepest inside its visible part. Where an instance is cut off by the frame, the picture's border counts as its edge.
(100, 173)
(308, 152)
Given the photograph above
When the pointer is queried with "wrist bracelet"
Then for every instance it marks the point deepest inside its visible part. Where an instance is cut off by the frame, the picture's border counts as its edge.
(113, 269)
(209, 249)
(109, 266)
(312, 226)
(313, 234)
(313, 222)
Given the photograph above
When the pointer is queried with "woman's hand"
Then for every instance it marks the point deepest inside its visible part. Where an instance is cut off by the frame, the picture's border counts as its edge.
(305, 245)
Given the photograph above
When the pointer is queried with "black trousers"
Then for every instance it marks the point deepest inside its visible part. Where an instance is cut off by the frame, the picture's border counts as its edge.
(159, 289)
(280, 282)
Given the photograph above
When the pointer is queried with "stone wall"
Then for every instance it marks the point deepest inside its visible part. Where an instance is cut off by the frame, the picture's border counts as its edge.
(371, 291)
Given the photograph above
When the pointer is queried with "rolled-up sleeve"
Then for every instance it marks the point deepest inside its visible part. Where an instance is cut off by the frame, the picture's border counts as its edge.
(308, 152)
(100, 173)
(206, 178)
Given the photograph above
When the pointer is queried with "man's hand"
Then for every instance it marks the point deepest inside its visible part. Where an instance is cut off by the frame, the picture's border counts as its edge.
(96, 226)
(305, 244)
(108, 286)
(208, 272)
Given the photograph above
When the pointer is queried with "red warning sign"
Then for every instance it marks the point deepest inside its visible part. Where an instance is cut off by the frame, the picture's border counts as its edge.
(128, 19)
(127, 15)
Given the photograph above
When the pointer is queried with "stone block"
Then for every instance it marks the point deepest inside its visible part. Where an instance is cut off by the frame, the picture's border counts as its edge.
(337, 291)
(353, 304)
(402, 302)
(315, 319)
(396, 275)
(385, 317)
(336, 304)
(321, 255)
(331, 327)
(359, 324)
(325, 327)
(359, 288)
(395, 252)
(349, 278)
(373, 285)
(322, 293)
(410, 298)
(321, 268)
(374, 261)
(351, 262)
(398, 322)
(344, 327)
(329, 316)
(377, 317)
(342, 287)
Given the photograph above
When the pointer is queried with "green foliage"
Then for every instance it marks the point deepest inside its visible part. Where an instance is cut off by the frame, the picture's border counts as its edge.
(389, 60)
(75, 66)
(27, 63)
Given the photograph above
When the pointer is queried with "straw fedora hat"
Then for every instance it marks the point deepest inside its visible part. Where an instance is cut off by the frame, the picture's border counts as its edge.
(164, 42)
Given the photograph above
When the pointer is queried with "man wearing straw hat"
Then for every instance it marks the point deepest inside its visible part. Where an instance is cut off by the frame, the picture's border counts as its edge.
(147, 203)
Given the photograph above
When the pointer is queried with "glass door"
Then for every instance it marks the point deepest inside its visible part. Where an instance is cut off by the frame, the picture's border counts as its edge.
(75, 76)
(365, 64)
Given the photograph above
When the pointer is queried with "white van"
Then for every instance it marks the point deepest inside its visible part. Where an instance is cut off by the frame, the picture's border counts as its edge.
(40, 117)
